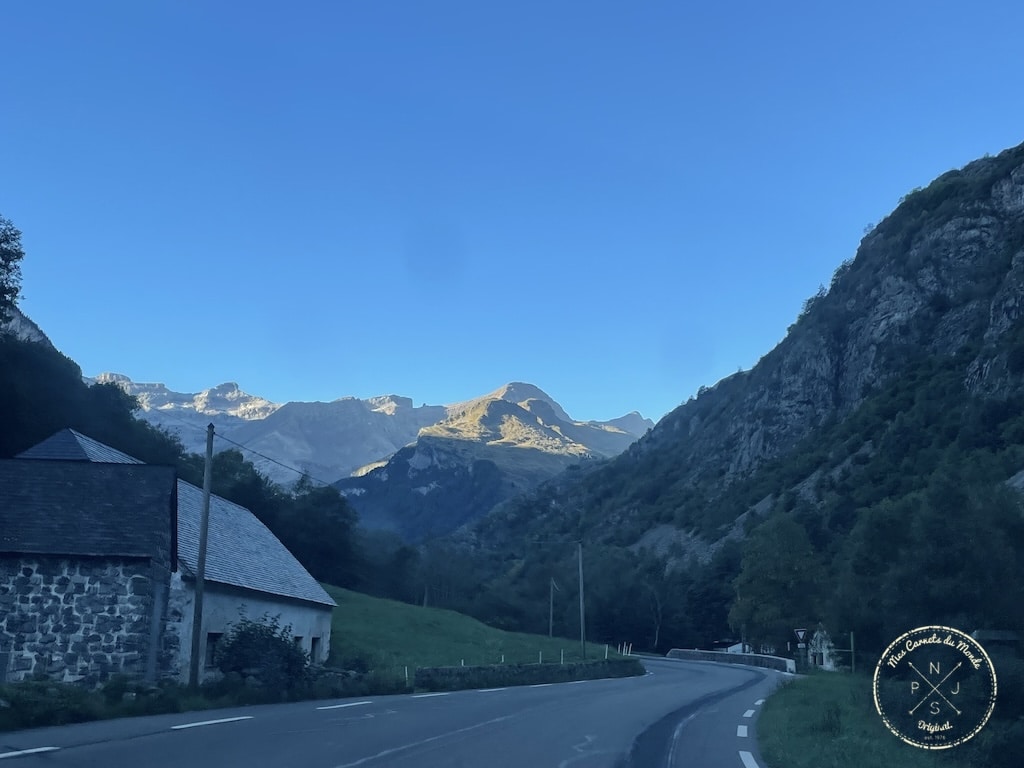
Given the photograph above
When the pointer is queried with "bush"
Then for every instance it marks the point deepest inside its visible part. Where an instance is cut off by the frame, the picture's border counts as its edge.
(33, 704)
(262, 654)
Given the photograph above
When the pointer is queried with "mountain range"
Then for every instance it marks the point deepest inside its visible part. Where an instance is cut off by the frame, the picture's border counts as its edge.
(417, 470)
(483, 452)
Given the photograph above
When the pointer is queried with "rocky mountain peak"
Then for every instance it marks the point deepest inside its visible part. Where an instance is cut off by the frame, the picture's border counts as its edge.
(21, 327)
(520, 392)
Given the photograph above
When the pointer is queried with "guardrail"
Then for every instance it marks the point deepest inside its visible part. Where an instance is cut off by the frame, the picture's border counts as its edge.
(723, 657)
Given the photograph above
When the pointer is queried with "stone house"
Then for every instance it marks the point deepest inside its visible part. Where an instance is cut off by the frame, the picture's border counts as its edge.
(98, 554)
(821, 651)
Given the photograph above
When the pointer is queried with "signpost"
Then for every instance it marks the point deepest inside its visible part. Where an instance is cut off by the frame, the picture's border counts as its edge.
(802, 657)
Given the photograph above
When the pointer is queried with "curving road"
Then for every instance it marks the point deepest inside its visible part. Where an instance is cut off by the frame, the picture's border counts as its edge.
(682, 714)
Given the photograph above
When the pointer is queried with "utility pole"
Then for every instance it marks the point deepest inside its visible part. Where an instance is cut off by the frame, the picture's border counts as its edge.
(551, 607)
(204, 526)
(583, 630)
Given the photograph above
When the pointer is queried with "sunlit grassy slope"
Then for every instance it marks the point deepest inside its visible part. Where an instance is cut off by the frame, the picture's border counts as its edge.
(387, 635)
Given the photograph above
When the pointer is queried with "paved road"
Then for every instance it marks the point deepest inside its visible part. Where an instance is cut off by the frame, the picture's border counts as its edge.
(681, 715)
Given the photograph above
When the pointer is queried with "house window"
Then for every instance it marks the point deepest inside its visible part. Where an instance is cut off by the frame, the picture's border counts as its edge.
(212, 638)
(298, 641)
(314, 650)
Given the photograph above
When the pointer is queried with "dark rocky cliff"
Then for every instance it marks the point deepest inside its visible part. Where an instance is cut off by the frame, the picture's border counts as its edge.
(942, 275)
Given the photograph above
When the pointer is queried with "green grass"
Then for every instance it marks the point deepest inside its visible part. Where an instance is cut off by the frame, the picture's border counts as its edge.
(387, 636)
(828, 720)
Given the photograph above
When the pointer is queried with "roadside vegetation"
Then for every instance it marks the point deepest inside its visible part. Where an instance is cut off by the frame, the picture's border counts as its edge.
(829, 719)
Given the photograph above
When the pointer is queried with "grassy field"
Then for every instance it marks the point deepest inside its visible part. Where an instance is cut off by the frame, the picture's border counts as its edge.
(828, 720)
(387, 636)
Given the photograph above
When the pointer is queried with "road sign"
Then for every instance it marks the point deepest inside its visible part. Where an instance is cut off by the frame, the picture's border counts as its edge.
(800, 634)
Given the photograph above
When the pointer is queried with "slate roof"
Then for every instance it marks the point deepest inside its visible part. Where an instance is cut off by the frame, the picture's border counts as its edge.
(74, 446)
(73, 508)
(240, 550)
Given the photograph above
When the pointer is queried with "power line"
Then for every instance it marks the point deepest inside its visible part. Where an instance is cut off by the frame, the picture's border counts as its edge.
(274, 461)
(196, 428)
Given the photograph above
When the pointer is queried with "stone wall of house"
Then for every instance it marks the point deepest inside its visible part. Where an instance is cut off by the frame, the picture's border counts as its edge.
(176, 644)
(223, 606)
(80, 620)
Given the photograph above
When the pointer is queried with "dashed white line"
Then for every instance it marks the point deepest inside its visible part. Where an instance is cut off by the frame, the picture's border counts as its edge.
(741, 731)
(22, 752)
(404, 747)
(748, 760)
(489, 690)
(541, 685)
(577, 682)
(749, 713)
(349, 704)
(759, 702)
(210, 722)
(428, 695)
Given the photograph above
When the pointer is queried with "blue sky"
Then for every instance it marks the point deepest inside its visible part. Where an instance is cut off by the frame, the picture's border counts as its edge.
(617, 202)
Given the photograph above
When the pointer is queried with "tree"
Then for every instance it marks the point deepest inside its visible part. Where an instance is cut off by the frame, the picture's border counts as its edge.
(779, 583)
(11, 255)
(318, 526)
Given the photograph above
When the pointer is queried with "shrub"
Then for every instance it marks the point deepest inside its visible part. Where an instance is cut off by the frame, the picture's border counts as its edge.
(33, 704)
(263, 654)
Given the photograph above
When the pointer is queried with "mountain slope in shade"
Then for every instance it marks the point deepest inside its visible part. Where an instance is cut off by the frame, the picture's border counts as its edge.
(332, 440)
(485, 451)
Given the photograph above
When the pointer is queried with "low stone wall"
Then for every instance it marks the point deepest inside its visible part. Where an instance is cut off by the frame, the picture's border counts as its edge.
(496, 675)
(79, 620)
(752, 659)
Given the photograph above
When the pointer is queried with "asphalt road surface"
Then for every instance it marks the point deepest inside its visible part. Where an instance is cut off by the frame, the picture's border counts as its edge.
(680, 715)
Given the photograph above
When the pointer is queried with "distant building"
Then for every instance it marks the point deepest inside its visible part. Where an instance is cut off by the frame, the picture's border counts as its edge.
(821, 651)
(98, 555)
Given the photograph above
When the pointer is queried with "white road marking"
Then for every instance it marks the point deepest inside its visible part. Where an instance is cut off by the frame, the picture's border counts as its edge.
(541, 685)
(741, 731)
(759, 702)
(428, 695)
(22, 752)
(749, 713)
(350, 704)
(748, 760)
(210, 722)
(584, 751)
(489, 690)
(386, 752)
(577, 682)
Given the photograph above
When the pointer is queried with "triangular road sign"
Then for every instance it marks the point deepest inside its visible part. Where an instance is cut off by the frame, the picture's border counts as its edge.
(800, 634)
